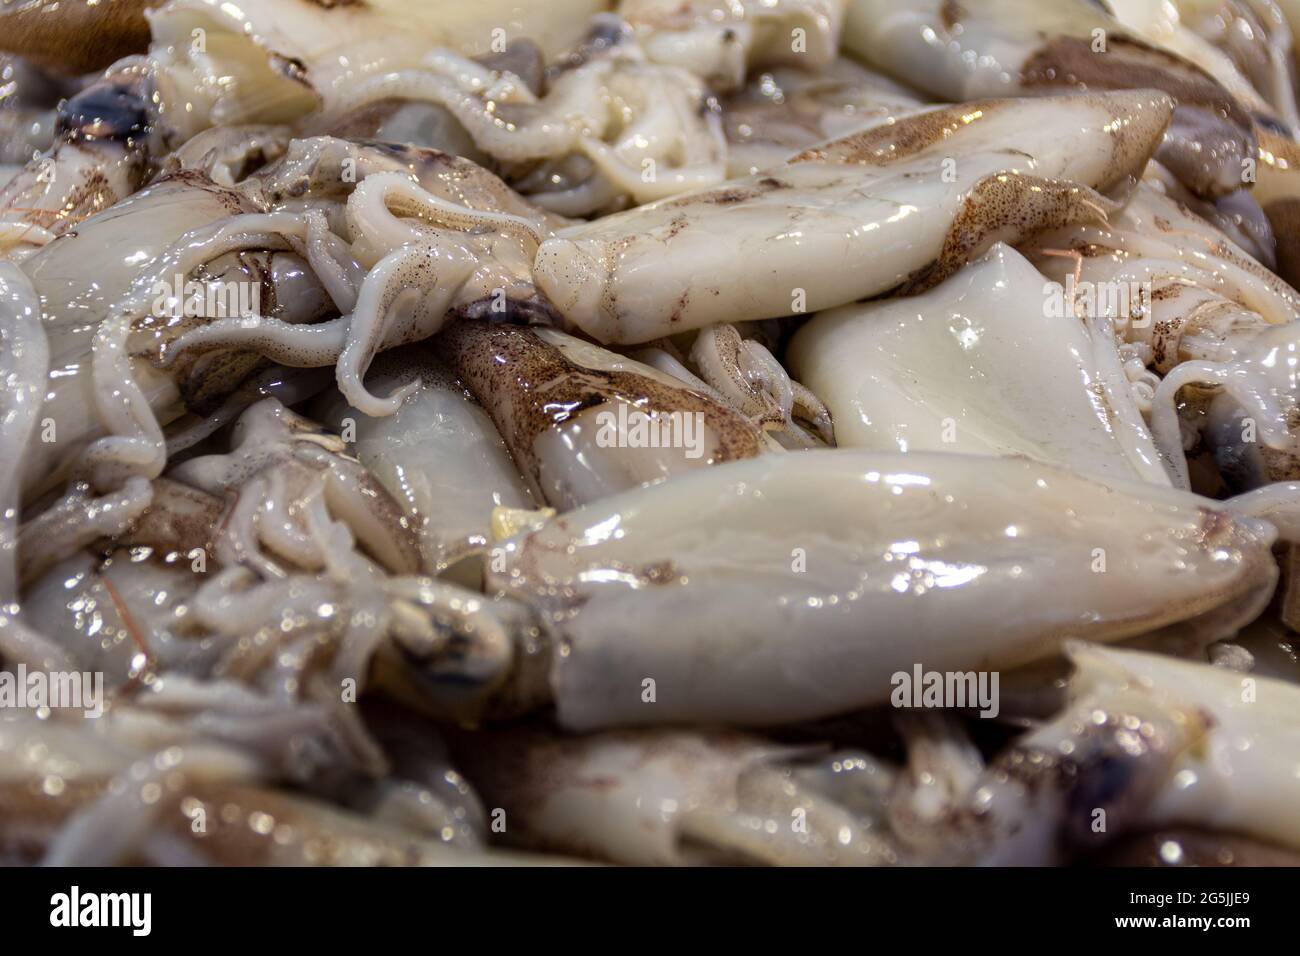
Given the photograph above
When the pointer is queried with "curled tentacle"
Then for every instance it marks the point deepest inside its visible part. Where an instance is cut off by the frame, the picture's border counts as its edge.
(1258, 382)
(404, 298)
(135, 444)
(381, 201)
(636, 127)
(24, 360)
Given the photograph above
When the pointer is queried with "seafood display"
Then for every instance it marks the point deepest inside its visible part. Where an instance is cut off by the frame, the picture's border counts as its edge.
(649, 432)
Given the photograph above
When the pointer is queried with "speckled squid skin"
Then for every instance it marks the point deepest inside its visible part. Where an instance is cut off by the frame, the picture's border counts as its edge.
(793, 586)
(964, 50)
(75, 37)
(897, 207)
(545, 389)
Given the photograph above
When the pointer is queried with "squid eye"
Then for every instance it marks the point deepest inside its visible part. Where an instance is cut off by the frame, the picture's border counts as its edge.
(105, 111)
(1106, 783)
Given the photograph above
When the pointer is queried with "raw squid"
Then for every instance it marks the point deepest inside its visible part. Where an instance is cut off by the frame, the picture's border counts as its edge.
(1207, 315)
(498, 509)
(210, 63)
(75, 795)
(785, 111)
(722, 40)
(977, 48)
(122, 244)
(273, 61)
(991, 362)
(100, 156)
(1245, 46)
(657, 797)
(439, 455)
(902, 204)
(1187, 745)
(791, 586)
(593, 138)
(395, 257)
(584, 423)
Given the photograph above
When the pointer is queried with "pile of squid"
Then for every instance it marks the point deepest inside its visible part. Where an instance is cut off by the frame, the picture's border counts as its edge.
(527, 433)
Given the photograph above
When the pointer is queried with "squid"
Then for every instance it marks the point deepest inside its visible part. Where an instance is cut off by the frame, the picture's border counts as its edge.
(275, 61)
(786, 110)
(210, 63)
(620, 400)
(981, 365)
(742, 370)
(714, 597)
(680, 797)
(283, 524)
(723, 40)
(1218, 321)
(896, 207)
(982, 48)
(395, 257)
(1244, 44)
(120, 245)
(584, 423)
(100, 154)
(1182, 744)
(595, 138)
(80, 794)
(439, 455)
(453, 249)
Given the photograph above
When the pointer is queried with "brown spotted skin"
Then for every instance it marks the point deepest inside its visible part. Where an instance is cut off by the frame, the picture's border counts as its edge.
(75, 36)
(1006, 208)
(889, 142)
(180, 520)
(528, 386)
(92, 193)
